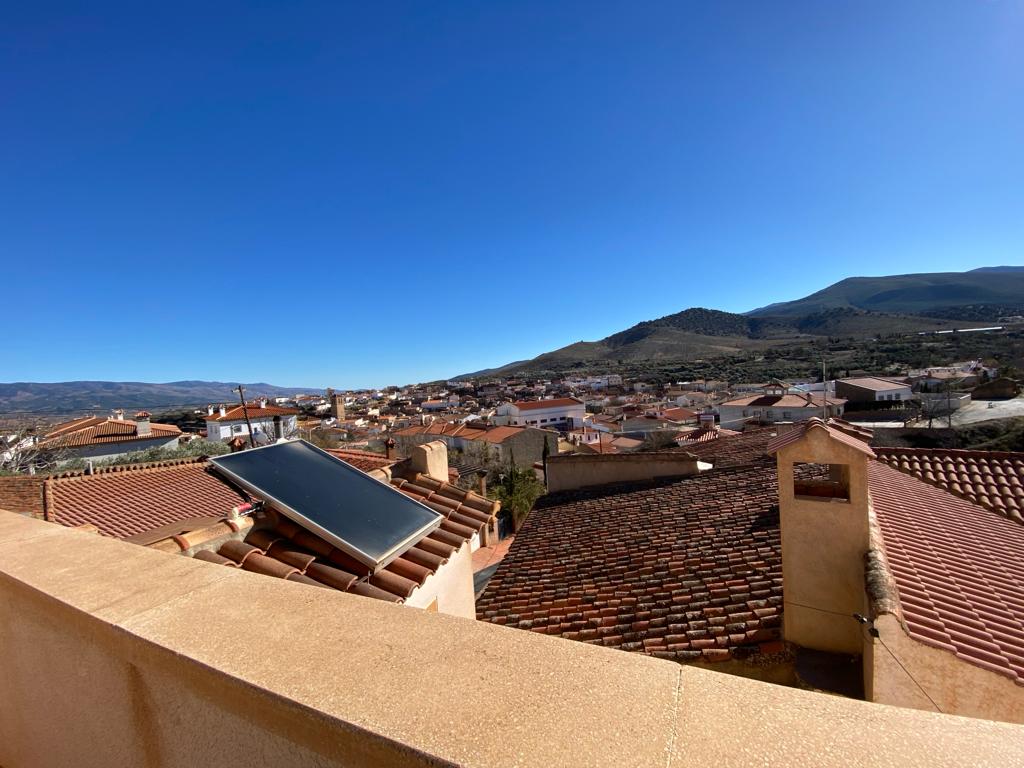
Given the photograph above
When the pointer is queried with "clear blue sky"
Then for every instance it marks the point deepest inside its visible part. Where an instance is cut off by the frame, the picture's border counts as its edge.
(360, 194)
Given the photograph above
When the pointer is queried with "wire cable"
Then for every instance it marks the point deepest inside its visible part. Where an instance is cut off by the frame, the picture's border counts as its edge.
(873, 632)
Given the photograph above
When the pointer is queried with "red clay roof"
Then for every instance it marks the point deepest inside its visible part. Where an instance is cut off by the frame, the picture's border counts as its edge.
(282, 548)
(959, 570)
(255, 412)
(364, 461)
(131, 500)
(874, 384)
(679, 414)
(747, 447)
(534, 405)
(22, 494)
(993, 479)
(798, 431)
(467, 431)
(98, 431)
(706, 435)
(679, 569)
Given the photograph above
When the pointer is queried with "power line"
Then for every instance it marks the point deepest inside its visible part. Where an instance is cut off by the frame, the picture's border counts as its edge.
(873, 632)
(907, 671)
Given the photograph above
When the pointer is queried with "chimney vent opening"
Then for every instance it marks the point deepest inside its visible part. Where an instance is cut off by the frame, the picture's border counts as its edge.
(821, 482)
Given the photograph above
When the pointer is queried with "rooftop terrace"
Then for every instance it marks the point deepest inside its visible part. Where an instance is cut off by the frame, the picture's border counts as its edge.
(118, 655)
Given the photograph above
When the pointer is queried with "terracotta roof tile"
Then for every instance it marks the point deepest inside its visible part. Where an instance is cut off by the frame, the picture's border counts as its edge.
(993, 479)
(22, 494)
(535, 405)
(738, 449)
(959, 570)
(467, 431)
(798, 431)
(365, 461)
(670, 568)
(134, 499)
(255, 412)
(97, 431)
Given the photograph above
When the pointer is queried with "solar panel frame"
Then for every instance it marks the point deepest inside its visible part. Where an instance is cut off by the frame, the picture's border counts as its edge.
(374, 563)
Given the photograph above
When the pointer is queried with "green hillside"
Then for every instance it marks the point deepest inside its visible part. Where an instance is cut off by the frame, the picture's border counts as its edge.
(910, 294)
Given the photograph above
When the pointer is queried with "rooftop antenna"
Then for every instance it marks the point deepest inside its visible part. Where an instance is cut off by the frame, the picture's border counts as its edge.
(824, 392)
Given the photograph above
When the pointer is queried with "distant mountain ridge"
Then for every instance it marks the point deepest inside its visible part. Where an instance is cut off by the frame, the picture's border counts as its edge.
(69, 397)
(856, 306)
(911, 294)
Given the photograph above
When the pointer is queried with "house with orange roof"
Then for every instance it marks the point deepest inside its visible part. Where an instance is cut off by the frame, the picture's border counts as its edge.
(777, 401)
(99, 438)
(269, 422)
(192, 508)
(491, 443)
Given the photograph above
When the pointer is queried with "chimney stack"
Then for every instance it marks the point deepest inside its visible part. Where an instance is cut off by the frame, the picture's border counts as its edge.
(209, 409)
(389, 448)
(142, 426)
(119, 414)
(824, 521)
(223, 410)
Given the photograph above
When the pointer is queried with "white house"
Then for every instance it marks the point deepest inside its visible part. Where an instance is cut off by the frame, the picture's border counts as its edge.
(869, 389)
(107, 438)
(776, 403)
(561, 413)
(269, 422)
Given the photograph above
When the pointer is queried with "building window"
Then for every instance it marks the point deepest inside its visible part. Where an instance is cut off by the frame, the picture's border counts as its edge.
(236, 428)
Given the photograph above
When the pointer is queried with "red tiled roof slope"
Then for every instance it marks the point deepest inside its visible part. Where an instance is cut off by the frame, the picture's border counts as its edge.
(286, 550)
(22, 494)
(364, 461)
(254, 411)
(535, 405)
(797, 432)
(747, 447)
(468, 431)
(706, 435)
(684, 569)
(993, 479)
(97, 431)
(131, 500)
(959, 570)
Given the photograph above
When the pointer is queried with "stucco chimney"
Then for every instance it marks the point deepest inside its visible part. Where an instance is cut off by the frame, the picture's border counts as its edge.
(431, 459)
(389, 448)
(142, 426)
(223, 410)
(209, 410)
(824, 511)
(118, 414)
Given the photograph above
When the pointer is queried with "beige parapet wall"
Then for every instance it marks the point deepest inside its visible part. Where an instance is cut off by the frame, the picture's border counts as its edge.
(114, 654)
(568, 472)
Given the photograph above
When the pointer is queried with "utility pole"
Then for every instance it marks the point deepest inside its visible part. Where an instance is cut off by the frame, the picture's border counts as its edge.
(245, 412)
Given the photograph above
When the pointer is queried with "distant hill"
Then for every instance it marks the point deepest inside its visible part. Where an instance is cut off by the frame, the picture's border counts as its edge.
(911, 294)
(699, 333)
(72, 397)
(859, 307)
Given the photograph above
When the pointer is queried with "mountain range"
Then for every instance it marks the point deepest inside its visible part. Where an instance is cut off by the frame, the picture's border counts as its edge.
(37, 398)
(856, 307)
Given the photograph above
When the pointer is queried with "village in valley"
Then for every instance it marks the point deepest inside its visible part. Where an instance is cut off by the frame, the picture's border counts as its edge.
(512, 385)
(687, 501)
